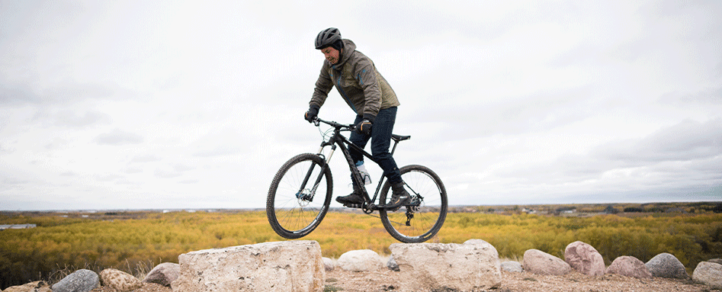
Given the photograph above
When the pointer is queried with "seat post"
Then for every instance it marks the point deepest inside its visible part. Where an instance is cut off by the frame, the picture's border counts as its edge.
(394, 149)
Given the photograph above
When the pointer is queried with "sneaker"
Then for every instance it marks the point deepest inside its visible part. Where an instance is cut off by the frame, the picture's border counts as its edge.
(352, 198)
(399, 197)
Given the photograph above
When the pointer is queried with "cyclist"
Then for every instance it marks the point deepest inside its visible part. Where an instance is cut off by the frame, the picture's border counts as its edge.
(370, 96)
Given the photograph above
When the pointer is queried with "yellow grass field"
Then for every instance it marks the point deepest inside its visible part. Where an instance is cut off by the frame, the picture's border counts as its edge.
(123, 240)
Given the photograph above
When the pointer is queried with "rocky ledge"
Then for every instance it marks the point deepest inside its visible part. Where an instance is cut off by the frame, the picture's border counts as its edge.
(472, 266)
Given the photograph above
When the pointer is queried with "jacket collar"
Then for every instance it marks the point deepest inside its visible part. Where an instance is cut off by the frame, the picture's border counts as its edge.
(348, 49)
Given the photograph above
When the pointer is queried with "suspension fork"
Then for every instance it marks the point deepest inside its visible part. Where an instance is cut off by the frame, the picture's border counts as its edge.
(320, 175)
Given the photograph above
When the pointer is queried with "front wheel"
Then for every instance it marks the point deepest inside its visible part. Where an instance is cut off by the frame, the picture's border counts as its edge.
(421, 220)
(299, 196)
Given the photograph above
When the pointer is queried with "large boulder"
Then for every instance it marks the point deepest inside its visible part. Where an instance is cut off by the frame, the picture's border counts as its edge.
(37, 286)
(79, 281)
(709, 273)
(119, 280)
(665, 265)
(163, 274)
(364, 260)
(270, 266)
(447, 267)
(630, 267)
(484, 246)
(584, 258)
(538, 262)
(512, 266)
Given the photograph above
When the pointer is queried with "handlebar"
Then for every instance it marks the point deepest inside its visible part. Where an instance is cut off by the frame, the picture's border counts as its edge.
(344, 127)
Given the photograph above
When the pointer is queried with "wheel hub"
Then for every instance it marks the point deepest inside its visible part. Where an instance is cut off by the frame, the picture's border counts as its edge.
(304, 197)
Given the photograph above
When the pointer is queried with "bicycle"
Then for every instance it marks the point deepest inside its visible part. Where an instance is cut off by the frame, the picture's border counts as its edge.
(294, 211)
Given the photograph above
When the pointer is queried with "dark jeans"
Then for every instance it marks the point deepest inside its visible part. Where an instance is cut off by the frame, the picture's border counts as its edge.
(380, 143)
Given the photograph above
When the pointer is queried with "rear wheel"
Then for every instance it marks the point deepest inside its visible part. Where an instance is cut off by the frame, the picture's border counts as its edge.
(296, 204)
(421, 220)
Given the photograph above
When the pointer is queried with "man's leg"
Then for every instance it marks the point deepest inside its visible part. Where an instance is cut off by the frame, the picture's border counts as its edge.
(359, 140)
(381, 141)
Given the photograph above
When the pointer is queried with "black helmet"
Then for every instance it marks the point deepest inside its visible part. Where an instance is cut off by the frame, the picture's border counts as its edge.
(327, 37)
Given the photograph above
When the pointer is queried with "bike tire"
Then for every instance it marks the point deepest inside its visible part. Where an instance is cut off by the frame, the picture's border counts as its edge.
(431, 213)
(292, 216)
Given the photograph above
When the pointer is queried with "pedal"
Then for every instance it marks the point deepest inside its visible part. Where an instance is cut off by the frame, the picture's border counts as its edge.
(353, 205)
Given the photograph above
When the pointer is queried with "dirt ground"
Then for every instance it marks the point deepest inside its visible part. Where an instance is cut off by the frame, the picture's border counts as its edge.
(386, 280)
(340, 280)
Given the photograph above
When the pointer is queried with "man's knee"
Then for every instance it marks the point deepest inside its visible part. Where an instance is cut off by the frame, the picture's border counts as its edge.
(378, 156)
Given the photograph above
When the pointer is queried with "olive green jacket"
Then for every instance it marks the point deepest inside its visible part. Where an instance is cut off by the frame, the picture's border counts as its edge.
(357, 80)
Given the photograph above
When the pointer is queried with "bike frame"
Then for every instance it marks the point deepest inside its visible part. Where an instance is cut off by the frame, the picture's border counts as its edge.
(340, 141)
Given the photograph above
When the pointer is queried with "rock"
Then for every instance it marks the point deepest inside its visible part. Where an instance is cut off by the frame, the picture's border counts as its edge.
(512, 266)
(665, 265)
(365, 260)
(392, 265)
(709, 273)
(630, 267)
(483, 245)
(163, 274)
(328, 264)
(80, 281)
(119, 280)
(716, 261)
(37, 286)
(269, 266)
(584, 258)
(538, 262)
(447, 267)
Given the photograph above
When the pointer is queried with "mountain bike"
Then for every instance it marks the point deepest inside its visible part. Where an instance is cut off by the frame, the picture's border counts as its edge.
(301, 191)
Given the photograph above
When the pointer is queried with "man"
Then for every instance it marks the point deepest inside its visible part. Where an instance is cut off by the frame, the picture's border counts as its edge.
(370, 97)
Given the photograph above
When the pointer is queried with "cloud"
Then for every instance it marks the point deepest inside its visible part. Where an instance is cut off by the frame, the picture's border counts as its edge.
(223, 150)
(68, 92)
(688, 140)
(145, 158)
(166, 173)
(506, 101)
(708, 97)
(67, 118)
(11, 182)
(189, 181)
(118, 137)
(73, 117)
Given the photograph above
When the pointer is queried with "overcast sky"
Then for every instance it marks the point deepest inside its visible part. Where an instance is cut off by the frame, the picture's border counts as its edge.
(196, 104)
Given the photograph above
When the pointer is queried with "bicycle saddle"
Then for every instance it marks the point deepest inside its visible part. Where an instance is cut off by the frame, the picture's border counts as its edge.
(398, 138)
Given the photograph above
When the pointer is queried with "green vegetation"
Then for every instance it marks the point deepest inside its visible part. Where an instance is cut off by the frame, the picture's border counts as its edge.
(126, 240)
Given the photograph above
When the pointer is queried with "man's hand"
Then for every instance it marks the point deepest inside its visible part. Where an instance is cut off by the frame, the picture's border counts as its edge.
(364, 127)
(311, 114)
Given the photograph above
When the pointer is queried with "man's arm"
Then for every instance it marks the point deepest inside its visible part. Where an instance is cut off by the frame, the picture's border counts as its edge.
(323, 86)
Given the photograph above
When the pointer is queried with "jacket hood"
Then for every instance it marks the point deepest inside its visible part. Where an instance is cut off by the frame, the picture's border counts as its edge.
(348, 48)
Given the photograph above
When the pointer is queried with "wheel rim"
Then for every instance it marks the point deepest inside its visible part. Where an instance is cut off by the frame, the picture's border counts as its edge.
(293, 211)
(427, 215)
